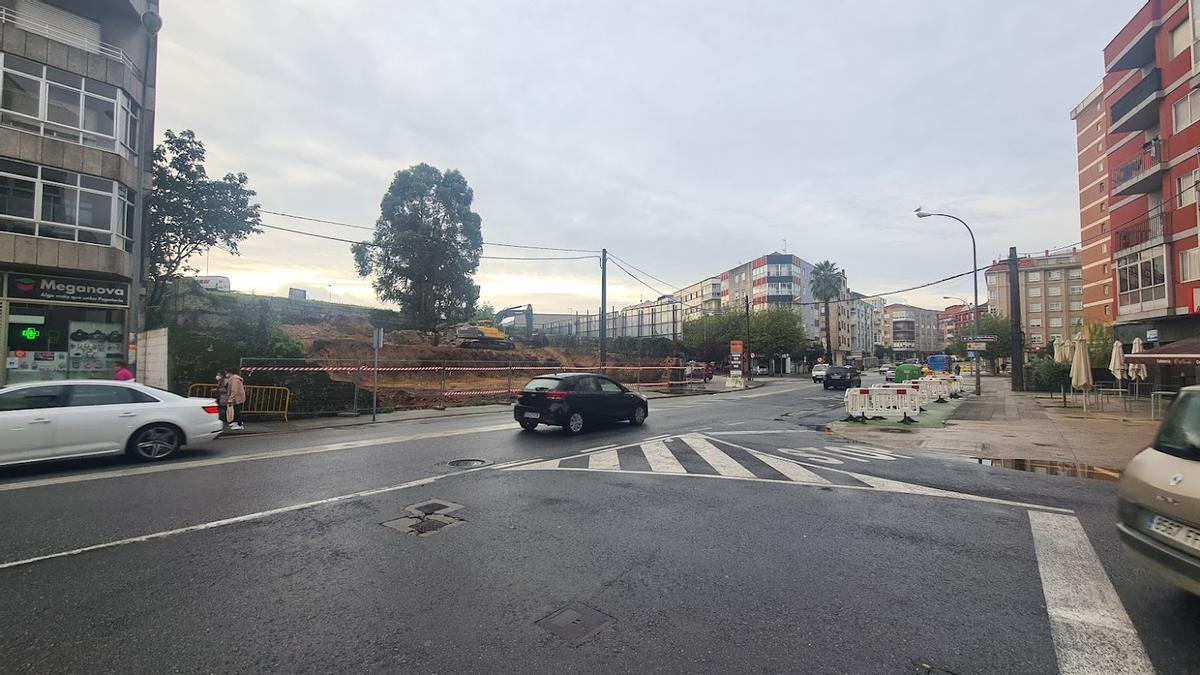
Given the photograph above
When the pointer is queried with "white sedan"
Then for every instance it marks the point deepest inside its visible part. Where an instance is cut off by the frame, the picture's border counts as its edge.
(77, 418)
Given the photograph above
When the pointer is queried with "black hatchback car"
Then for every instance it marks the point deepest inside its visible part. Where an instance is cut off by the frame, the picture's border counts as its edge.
(574, 401)
(842, 377)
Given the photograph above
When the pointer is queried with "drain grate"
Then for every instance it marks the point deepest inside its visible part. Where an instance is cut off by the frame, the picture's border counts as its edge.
(468, 463)
(575, 622)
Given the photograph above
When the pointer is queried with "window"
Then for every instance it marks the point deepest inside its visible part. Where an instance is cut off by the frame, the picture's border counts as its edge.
(1054, 275)
(1076, 306)
(1054, 291)
(32, 398)
(1075, 290)
(1141, 277)
(1035, 323)
(1102, 207)
(1185, 189)
(73, 206)
(608, 386)
(1055, 307)
(52, 102)
(1107, 308)
(105, 394)
(1055, 336)
(991, 280)
(1035, 338)
(1077, 321)
(1033, 276)
(1186, 111)
(1107, 290)
(1035, 307)
(1104, 247)
(1035, 292)
(1180, 39)
(1056, 322)
(1075, 274)
(1189, 264)
(587, 385)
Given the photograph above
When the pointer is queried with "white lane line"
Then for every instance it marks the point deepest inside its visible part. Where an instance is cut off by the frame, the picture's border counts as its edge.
(723, 463)
(604, 460)
(235, 459)
(598, 447)
(766, 393)
(1092, 632)
(756, 433)
(654, 438)
(660, 458)
(243, 518)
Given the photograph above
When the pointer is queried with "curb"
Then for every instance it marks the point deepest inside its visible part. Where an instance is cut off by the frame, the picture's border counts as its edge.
(237, 434)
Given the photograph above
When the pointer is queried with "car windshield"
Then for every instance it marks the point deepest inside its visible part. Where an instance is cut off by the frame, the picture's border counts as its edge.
(1179, 434)
(542, 384)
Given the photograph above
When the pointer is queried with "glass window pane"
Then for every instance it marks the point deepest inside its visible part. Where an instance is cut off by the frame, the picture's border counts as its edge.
(92, 183)
(32, 398)
(21, 94)
(57, 176)
(17, 226)
(63, 77)
(23, 65)
(98, 394)
(62, 105)
(90, 237)
(16, 197)
(99, 115)
(95, 210)
(58, 204)
(1147, 274)
(56, 232)
(1158, 273)
(19, 168)
(103, 88)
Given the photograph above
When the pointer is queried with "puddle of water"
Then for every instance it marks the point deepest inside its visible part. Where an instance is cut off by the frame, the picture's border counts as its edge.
(1051, 468)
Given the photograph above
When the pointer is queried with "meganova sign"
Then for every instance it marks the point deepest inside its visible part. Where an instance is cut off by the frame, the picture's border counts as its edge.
(66, 289)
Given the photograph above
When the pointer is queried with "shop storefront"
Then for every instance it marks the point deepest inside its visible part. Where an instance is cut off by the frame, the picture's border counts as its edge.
(60, 327)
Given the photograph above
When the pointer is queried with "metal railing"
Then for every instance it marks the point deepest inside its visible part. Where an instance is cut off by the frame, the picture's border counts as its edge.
(1142, 231)
(49, 30)
(260, 400)
(1151, 155)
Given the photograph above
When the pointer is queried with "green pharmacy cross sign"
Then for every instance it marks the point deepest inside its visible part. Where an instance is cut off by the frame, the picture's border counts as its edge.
(30, 333)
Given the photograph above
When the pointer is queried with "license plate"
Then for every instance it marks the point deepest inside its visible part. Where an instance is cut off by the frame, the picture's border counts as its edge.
(1182, 534)
(533, 416)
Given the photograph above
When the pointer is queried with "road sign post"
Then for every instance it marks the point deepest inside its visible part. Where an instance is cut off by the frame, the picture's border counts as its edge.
(376, 343)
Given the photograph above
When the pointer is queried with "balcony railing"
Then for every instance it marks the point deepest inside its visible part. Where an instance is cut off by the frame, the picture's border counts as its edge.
(1149, 157)
(1143, 90)
(59, 34)
(1140, 175)
(1141, 232)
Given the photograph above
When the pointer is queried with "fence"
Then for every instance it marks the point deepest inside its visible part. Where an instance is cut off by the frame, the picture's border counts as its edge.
(259, 400)
(345, 386)
(882, 403)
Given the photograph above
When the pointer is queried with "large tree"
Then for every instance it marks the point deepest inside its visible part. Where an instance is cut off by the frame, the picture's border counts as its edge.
(189, 213)
(426, 247)
(827, 283)
(776, 332)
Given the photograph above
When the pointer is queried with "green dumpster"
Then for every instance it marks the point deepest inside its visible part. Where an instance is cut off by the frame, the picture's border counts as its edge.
(907, 371)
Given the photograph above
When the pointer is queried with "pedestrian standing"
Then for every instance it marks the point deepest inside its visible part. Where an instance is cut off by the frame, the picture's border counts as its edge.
(122, 373)
(221, 393)
(236, 399)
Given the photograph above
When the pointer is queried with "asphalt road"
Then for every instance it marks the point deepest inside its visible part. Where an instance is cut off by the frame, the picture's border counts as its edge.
(725, 535)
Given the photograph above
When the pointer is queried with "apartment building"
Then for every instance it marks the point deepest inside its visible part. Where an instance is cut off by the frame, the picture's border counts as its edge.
(774, 280)
(839, 317)
(1095, 252)
(958, 320)
(1051, 288)
(76, 114)
(1148, 221)
(701, 298)
(911, 332)
(864, 323)
(661, 317)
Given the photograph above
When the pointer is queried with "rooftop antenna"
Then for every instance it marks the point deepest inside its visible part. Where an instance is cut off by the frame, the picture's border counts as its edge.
(785, 245)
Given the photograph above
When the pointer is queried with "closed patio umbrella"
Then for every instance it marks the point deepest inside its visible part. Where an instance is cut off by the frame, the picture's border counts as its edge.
(1060, 351)
(1137, 371)
(1116, 363)
(1081, 370)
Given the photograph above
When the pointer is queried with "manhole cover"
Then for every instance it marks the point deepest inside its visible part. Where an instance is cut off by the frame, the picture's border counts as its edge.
(575, 622)
(897, 431)
(427, 526)
(467, 463)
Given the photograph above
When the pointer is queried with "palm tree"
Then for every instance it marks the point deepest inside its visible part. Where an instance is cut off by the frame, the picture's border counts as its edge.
(827, 282)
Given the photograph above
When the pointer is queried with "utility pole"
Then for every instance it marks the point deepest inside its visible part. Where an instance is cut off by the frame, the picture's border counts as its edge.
(748, 367)
(603, 304)
(1017, 341)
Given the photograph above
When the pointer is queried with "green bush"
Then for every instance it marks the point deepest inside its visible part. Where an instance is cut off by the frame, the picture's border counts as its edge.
(1050, 375)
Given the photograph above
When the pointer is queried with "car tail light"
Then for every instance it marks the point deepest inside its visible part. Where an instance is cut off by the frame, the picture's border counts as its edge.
(556, 395)
(212, 409)
(901, 391)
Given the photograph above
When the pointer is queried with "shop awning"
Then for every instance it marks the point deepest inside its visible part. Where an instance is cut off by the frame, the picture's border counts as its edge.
(1185, 352)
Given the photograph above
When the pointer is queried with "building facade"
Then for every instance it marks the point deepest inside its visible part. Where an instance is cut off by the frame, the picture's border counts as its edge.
(1095, 254)
(958, 320)
(76, 110)
(911, 332)
(661, 317)
(863, 325)
(1051, 288)
(701, 298)
(1147, 221)
(772, 281)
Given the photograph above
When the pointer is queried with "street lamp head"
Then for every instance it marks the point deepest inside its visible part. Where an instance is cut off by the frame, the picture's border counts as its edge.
(921, 213)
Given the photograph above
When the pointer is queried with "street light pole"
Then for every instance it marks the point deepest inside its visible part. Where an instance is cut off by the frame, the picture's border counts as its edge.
(974, 282)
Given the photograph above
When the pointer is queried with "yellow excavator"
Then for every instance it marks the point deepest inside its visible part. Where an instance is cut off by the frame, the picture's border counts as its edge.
(486, 333)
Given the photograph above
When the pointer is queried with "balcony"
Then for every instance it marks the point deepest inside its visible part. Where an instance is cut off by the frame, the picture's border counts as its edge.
(1143, 174)
(1138, 109)
(59, 34)
(1146, 231)
(1138, 37)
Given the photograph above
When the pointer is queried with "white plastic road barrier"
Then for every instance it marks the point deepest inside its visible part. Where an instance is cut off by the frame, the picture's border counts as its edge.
(886, 402)
(923, 395)
(858, 403)
(955, 384)
(938, 388)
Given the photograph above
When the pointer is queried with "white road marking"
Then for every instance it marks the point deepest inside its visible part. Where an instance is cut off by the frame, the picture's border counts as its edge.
(863, 452)
(790, 469)
(1092, 632)
(755, 433)
(234, 459)
(212, 524)
(604, 460)
(766, 393)
(661, 459)
(718, 460)
(598, 447)
(654, 438)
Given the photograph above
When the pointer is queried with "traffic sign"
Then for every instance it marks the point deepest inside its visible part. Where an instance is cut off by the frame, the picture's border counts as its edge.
(977, 346)
(981, 338)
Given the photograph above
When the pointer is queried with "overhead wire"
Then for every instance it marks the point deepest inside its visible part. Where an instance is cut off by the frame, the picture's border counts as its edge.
(634, 277)
(425, 250)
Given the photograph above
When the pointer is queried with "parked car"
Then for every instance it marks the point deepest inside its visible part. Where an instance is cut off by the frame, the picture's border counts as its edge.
(42, 421)
(575, 401)
(761, 370)
(1158, 502)
(890, 374)
(818, 372)
(884, 368)
(842, 377)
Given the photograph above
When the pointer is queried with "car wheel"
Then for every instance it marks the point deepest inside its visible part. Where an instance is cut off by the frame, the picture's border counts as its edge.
(639, 416)
(575, 423)
(154, 442)
(528, 425)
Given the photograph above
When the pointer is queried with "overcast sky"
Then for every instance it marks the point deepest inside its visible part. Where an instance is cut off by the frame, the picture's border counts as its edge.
(687, 137)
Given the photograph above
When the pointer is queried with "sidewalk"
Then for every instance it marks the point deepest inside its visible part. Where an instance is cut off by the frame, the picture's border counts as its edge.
(1002, 424)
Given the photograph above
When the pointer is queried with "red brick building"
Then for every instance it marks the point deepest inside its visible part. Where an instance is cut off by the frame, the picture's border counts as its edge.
(957, 320)
(1151, 107)
(1095, 254)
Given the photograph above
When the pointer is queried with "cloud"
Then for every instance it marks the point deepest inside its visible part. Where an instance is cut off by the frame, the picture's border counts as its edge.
(685, 137)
